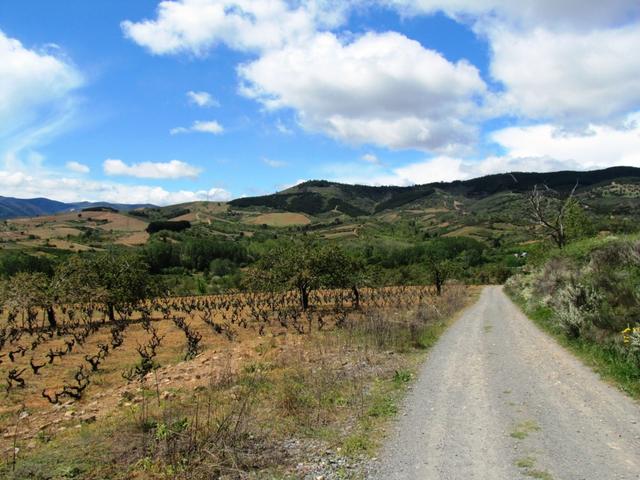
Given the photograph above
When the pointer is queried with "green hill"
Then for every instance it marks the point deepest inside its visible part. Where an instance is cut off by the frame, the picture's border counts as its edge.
(320, 196)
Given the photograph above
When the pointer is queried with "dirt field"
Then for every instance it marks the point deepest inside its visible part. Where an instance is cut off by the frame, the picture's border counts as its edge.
(64, 231)
(280, 219)
(234, 330)
(137, 238)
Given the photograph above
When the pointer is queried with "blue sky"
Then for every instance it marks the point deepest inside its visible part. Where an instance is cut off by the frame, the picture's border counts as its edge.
(164, 102)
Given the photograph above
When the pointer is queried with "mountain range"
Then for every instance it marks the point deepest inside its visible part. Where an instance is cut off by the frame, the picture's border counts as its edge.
(11, 207)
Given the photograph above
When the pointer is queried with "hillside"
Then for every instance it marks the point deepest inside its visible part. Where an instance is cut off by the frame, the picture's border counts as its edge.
(319, 196)
(493, 209)
(18, 207)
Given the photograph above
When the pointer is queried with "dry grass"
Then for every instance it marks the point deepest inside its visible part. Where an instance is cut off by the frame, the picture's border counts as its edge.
(280, 219)
(56, 230)
(236, 407)
(137, 238)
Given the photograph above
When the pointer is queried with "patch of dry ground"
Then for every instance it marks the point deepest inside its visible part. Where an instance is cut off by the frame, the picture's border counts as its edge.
(280, 219)
(58, 230)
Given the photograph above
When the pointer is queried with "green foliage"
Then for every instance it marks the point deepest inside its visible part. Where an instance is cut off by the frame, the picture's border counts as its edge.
(196, 254)
(588, 298)
(112, 277)
(577, 223)
(171, 226)
(124, 277)
(12, 262)
(305, 265)
(26, 291)
(164, 213)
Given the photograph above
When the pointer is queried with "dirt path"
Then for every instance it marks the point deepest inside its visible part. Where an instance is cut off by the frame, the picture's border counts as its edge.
(498, 399)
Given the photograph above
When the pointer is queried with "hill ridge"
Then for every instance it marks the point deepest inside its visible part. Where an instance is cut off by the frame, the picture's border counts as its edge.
(321, 196)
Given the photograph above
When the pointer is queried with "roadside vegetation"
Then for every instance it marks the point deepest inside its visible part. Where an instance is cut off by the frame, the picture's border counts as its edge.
(588, 295)
(583, 287)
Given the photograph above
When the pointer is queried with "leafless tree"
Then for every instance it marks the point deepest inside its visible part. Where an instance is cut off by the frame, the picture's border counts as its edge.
(549, 210)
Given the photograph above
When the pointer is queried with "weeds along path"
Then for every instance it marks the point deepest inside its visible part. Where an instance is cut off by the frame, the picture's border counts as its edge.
(499, 399)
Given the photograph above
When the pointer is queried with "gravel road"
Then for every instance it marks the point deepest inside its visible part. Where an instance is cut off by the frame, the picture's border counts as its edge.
(499, 399)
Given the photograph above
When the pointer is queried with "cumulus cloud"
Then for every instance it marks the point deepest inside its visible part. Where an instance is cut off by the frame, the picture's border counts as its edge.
(596, 147)
(19, 184)
(195, 26)
(570, 77)
(537, 148)
(569, 65)
(77, 167)
(383, 89)
(569, 61)
(202, 99)
(172, 169)
(212, 127)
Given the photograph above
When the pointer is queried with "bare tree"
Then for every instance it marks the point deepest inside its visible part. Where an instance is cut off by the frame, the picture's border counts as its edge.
(549, 210)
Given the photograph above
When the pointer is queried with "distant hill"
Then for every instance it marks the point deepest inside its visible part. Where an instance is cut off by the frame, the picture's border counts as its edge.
(493, 209)
(319, 196)
(33, 207)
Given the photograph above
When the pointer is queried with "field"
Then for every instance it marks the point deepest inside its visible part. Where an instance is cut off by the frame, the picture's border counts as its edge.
(280, 219)
(227, 341)
(76, 231)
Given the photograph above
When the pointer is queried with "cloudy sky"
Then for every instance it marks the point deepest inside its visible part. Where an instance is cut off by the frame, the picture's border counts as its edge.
(177, 100)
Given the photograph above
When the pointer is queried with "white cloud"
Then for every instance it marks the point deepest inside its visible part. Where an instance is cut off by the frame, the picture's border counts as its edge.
(207, 127)
(9, 180)
(21, 185)
(77, 167)
(274, 163)
(37, 100)
(382, 89)
(33, 84)
(599, 146)
(212, 127)
(568, 61)
(370, 158)
(172, 169)
(538, 148)
(582, 14)
(436, 169)
(569, 77)
(202, 99)
(195, 26)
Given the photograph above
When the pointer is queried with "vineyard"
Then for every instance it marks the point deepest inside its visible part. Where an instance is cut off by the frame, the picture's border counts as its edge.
(79, 363)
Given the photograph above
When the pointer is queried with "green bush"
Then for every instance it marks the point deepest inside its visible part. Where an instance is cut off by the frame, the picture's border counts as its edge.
(591, 295)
